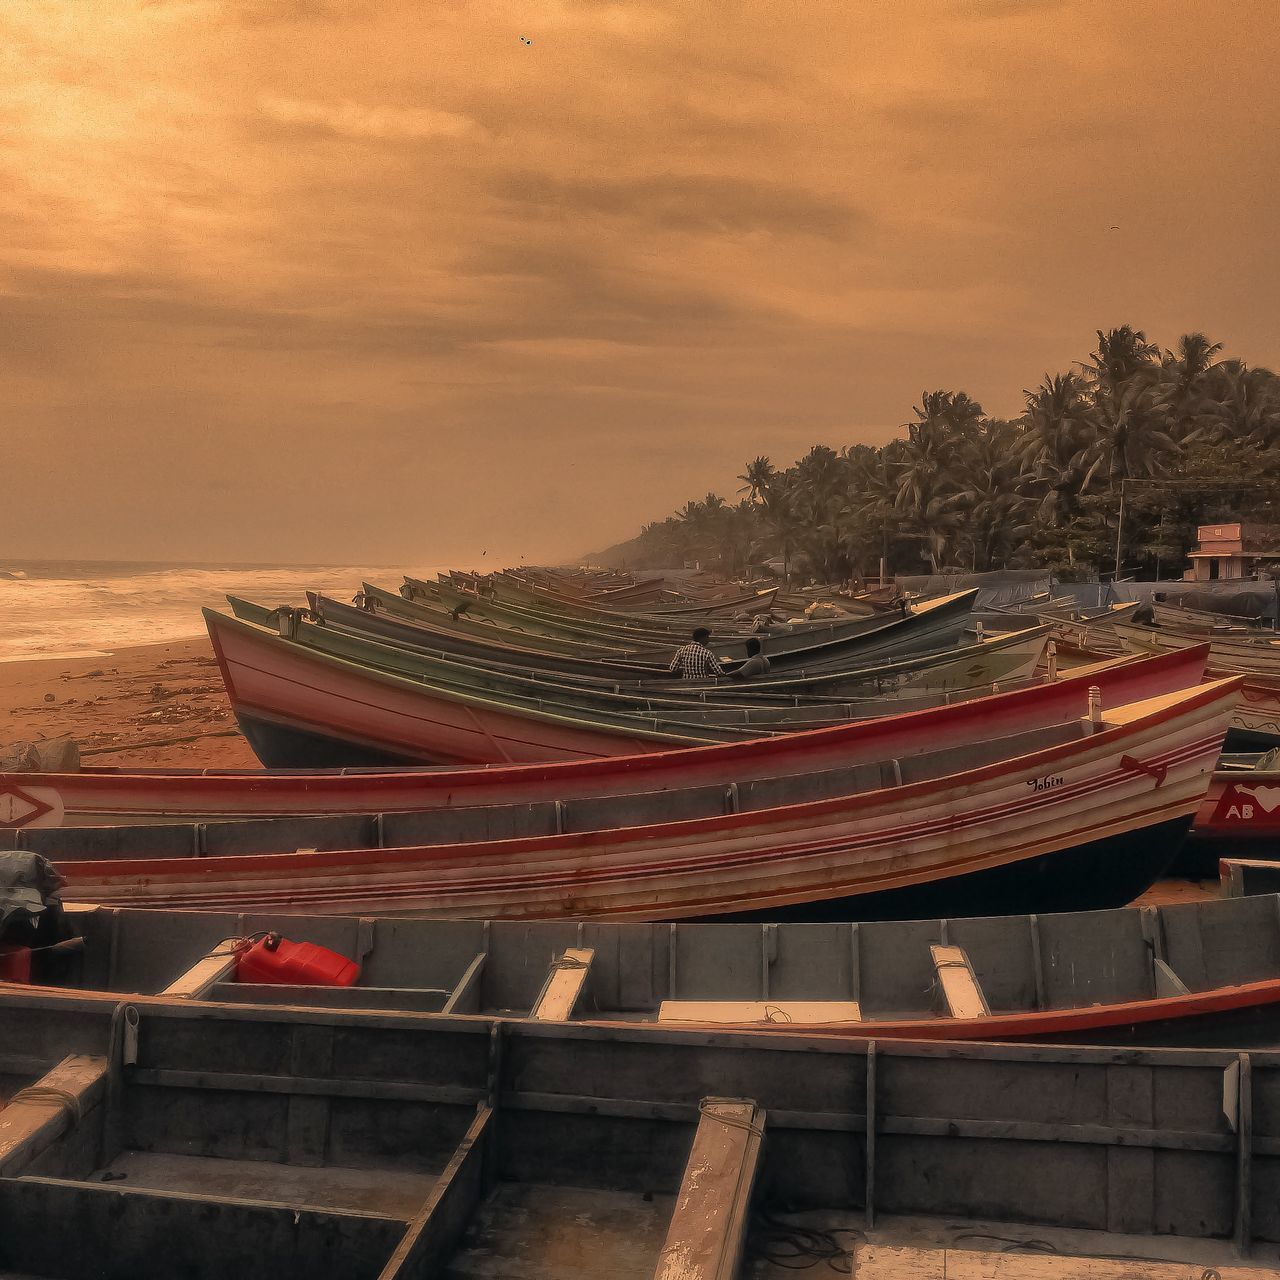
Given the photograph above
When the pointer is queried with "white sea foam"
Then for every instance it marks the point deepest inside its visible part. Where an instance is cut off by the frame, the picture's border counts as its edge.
(85, 608)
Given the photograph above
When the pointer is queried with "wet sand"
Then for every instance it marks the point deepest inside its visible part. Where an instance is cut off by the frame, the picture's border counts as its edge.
(149, 705)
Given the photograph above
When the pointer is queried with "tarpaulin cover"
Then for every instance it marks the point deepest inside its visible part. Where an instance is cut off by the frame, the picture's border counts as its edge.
(28, 885)
(1004, 586)
(1255, 602)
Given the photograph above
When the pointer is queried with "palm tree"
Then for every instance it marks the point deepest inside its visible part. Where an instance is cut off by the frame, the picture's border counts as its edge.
(757, 477)
(780, 516)
(1055, 448)
(990, 492)
(1244, 406)
(1129, 419)
(993, 492)
(874, 491)
(1122, 354)
(926, 480)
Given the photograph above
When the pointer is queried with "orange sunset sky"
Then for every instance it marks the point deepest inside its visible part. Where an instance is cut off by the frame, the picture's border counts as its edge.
(377, 280)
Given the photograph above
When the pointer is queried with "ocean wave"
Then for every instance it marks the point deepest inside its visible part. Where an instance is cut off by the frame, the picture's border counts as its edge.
(74, 608)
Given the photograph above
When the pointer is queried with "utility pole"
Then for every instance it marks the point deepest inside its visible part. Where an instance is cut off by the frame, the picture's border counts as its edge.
(1115, 577)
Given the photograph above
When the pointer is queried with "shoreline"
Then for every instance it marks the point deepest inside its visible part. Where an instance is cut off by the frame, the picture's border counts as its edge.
(146, 706)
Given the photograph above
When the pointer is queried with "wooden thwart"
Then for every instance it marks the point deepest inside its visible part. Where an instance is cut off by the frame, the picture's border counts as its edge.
(959, 985)
(42, 1112)
(435, 1231)
(153, 1235)
(563, 986)
(887, 1262)
(206, 973)
(708, 1227)
(465, 997)
(746, 1012)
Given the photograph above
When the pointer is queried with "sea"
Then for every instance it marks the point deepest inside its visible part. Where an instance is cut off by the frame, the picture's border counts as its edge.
(87, 608)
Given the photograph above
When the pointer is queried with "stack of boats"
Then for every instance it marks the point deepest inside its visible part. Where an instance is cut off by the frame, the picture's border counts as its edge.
(589, 937)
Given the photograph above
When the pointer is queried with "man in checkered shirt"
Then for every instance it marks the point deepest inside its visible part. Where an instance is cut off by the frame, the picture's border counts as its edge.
(695, 661)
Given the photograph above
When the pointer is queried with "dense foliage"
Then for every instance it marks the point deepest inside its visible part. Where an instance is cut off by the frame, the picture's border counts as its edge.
(1186, 436)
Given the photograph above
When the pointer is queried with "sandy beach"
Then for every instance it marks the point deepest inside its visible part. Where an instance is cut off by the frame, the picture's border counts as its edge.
(146, 705)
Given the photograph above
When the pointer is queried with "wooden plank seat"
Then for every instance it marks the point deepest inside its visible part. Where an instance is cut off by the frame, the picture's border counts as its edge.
(564, 985)
(214, 967)
(41, 1113)
(746, 1012)
(959, 984)
(708, 1226)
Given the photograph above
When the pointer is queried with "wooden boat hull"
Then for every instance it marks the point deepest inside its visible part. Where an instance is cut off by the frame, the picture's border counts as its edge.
(1240, 816)
(599, 1125)
(1255, 726)
(1087, 978)
(98, 796)
(1260, 657)
(1087, 822)
(358, 716)
(933, 624)
(1011, 657)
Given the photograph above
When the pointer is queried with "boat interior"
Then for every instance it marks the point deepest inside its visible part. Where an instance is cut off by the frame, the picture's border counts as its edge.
(206, 1140)
(787, 975)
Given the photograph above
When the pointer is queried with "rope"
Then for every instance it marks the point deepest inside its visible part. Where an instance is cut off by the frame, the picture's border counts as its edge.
(66, 1100)
(239, 945)
(1014, 1245)
(64, 945)
(1011, 1243)
(730, 1122)
(568, 962)
(793, 1247)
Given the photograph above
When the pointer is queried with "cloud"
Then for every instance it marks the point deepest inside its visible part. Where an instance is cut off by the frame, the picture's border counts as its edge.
(355, 120)
(698, 203)
(308, 231)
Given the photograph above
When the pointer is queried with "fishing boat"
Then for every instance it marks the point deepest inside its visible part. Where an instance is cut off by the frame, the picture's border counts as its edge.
(205, 1139)
(97, 795)
(512, 588)
(1240, 816)
(1203, 973)
(1252, 656)
(1013, 655)
(300, 707)
(1255, 726)
(1070, 815)
(933, 625)
(929, 624)
(1246, 877)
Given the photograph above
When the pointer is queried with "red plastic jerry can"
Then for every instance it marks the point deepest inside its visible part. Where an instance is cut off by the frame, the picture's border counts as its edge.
(276, 960)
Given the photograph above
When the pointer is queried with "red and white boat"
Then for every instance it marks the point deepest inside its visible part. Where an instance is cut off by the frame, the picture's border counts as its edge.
(97, 796)
(1056, 815)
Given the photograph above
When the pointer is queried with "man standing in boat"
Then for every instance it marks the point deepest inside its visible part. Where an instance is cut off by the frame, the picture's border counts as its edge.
(695, 661)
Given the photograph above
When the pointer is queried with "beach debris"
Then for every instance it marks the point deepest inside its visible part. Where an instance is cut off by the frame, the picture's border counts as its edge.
(43, 755)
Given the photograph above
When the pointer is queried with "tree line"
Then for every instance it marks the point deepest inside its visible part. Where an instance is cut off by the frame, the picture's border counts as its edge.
(1185, 436)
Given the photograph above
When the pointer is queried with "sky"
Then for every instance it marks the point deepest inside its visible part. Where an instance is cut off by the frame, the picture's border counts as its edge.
(414, 281)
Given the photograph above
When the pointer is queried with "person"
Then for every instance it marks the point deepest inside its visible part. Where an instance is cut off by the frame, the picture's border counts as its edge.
(755, 663)
(695, 661)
